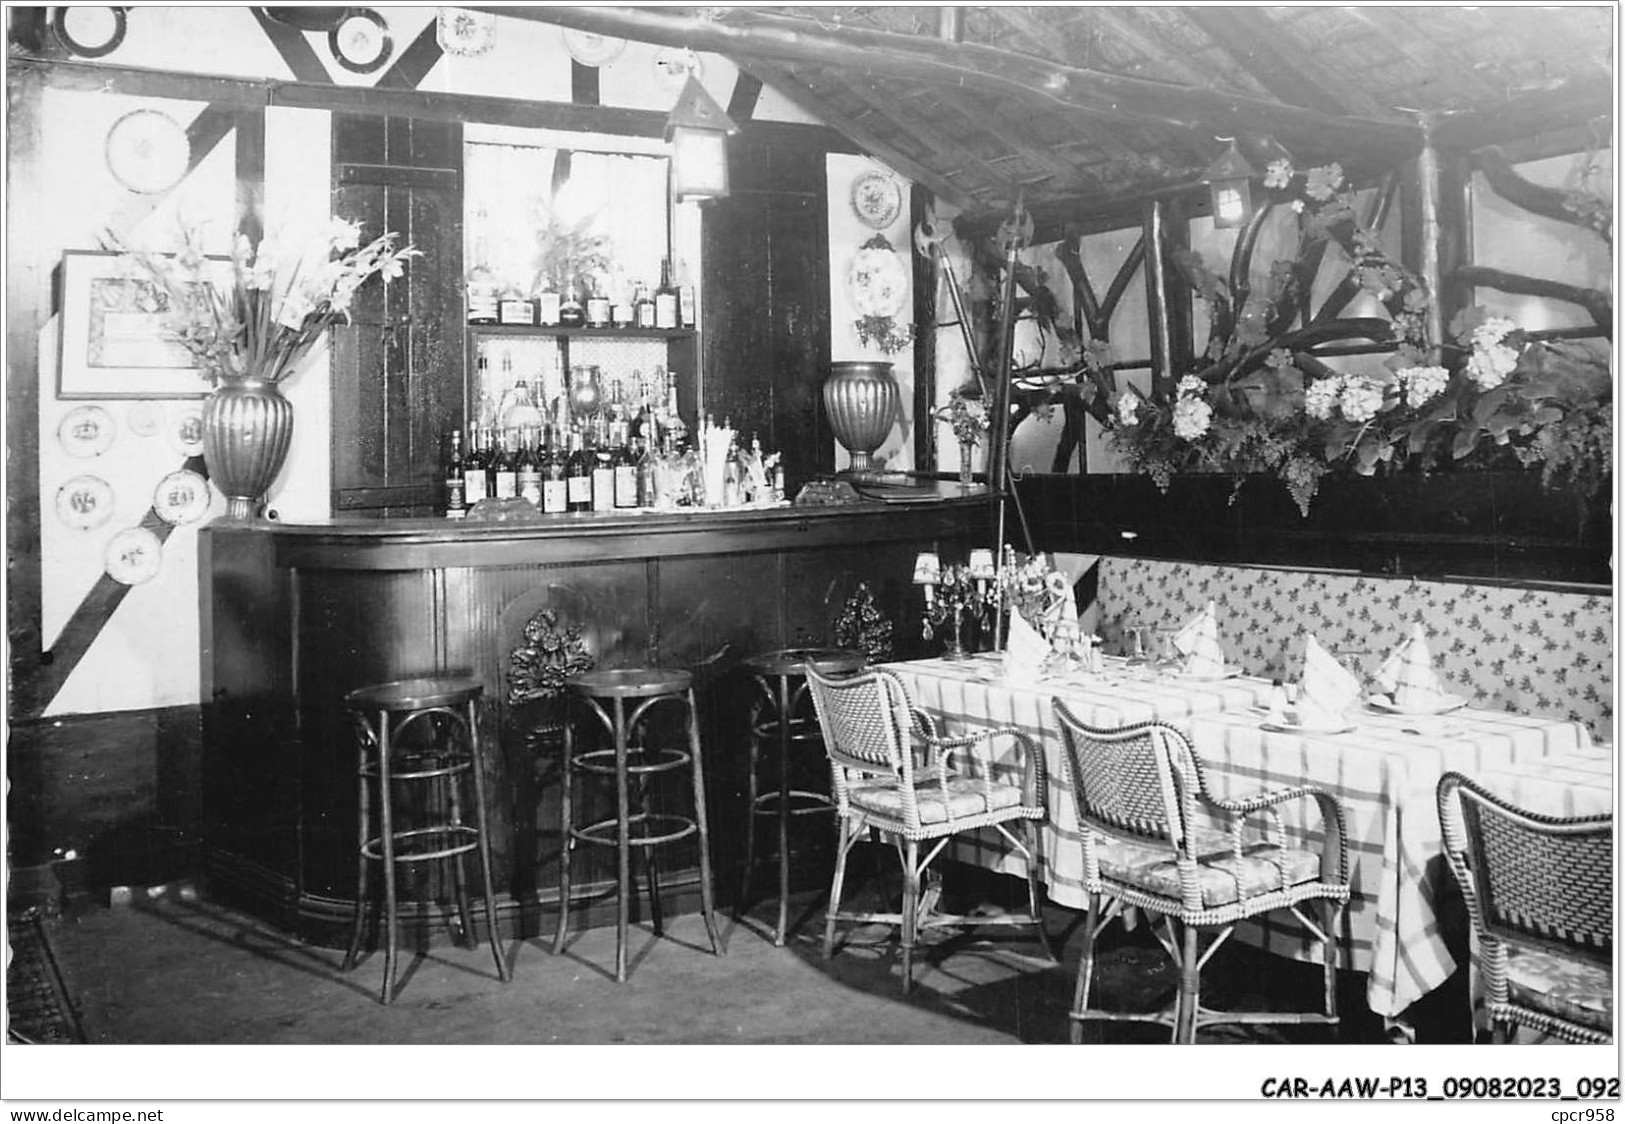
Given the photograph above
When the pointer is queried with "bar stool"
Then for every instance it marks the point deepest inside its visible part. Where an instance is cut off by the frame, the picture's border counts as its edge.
(387, 715)
(646, 688)
(782, 712)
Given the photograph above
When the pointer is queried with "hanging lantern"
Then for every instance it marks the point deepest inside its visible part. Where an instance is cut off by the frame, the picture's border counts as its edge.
(1228, 182)
(698, 129)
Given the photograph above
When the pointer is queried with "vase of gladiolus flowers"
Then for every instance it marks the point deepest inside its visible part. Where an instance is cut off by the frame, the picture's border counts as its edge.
(253, 325)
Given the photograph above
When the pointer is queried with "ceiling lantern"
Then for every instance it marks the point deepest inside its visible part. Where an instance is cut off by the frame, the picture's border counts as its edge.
(1228, 183)
(698, 129)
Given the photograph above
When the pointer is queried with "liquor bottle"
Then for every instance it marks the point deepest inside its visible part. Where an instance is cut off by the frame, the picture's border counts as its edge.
(733, 483)
(481, 282)
(622, 309)
(555, 491)
(578, 474)
(513, 307)
(626, 473)
(528, 473)
(490, 462)
(643, 306)
(666, 299)
(598, 304)
(603, 467)
(648, 482)
(548, 302)
(506, 471)
(674, 420)
(572, 313)
(519, 409)
(474, 469)
(456, 498)
(686, 311)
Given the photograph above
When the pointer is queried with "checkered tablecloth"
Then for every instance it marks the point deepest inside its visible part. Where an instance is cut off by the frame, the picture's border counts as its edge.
(1385, 773)
(965, 694)
(1564, 784)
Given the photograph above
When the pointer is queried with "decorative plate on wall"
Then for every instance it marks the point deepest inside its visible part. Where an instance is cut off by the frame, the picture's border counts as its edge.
(463, 32)
(591, 49)
(186, 430)
(90, 33)
(361, 41)
(877, 282)
(147, 151)
(181, 497)
(877, 199)
(85, 502)
(88, 431)
(133, 556)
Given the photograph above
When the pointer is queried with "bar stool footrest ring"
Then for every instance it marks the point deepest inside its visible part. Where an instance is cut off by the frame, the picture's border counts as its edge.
(665, 761)
(669, 828)
(373, 848)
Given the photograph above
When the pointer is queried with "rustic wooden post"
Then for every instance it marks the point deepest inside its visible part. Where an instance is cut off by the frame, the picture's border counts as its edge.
(1156, 297)
(1427, 176)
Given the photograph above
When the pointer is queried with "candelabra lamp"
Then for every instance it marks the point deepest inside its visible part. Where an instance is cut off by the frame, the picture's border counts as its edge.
(952, 592)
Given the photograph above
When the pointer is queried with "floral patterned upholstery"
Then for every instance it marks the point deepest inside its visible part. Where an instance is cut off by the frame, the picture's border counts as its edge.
(966, 797)
(1263, 867)
(1542, 652)
(1575, 990)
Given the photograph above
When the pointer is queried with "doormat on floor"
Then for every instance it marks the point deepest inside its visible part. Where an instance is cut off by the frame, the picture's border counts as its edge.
(38, 1006)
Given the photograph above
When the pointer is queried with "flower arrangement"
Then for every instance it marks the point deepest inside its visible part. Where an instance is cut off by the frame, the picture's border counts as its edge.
(280, 297)
(967, 417)
(1262, 402)
(1031, 586)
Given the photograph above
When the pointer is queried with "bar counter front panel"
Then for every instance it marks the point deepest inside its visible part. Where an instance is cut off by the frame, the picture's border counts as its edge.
(295, 616)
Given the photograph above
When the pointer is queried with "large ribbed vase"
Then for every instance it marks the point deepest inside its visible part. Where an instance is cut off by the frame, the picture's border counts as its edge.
(862, 401)
(246, 428)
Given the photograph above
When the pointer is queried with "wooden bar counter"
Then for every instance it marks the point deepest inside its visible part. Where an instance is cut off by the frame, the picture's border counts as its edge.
(295, 616)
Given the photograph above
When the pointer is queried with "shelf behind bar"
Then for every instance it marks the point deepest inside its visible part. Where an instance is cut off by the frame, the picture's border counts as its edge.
(601, 333)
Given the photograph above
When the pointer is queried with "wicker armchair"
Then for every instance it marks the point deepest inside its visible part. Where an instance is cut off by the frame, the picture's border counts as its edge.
(1137, 790)
(894, 775)
(1540, 892)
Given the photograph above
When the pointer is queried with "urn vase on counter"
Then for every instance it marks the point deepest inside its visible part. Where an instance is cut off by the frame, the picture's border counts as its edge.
(247, 425)
(862, 400)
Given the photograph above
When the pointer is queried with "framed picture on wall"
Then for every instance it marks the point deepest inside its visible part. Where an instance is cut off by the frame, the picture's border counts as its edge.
(114, 340)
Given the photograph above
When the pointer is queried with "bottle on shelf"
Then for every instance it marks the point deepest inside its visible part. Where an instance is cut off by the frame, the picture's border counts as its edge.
(555, 490)
(603, 467)
(622, 310)
(626, 472)
(513, 307)
(519, 409)
(674, 420)
(528, 470)
(506, 470)
(643, 306)
(572, 310)
(648, 468)
(598, 304)
(666, 299)
(548, 301)
(456, 499)
(578, 475)
(474, 468)
(481, 283)
(686, 310)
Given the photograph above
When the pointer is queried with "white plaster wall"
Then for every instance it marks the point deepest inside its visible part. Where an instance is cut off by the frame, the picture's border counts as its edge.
(847, 233)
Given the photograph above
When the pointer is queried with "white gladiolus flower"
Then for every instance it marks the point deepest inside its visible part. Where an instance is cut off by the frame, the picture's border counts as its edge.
(1423, 383)
(1321, 396)
(1361, 398)
(1489, 366)
(1492, 332)
(1192, 416)
(1128, 408)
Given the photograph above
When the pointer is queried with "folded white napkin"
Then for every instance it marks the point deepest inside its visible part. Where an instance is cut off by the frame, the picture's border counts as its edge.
(1025, 650)
(1327, 686)
(1408, 677)
(1198, 642)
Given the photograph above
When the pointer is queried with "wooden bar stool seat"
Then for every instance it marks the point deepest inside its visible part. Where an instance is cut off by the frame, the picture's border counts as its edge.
(633, 761)
(423, 733)
(781, 714)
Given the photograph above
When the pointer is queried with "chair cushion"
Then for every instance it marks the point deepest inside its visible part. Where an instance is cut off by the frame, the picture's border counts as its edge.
(965, 798)
(1572, 989)
(1151, 866)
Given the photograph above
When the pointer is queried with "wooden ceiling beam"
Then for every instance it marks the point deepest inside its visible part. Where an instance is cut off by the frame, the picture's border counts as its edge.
(928, 59)
(977, 113)
(1122, 27)
(795, 91)
(1577, 102)
(936, 139)
(1274, 57)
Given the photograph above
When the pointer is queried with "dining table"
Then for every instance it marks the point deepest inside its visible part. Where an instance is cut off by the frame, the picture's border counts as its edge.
(1383, 768)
